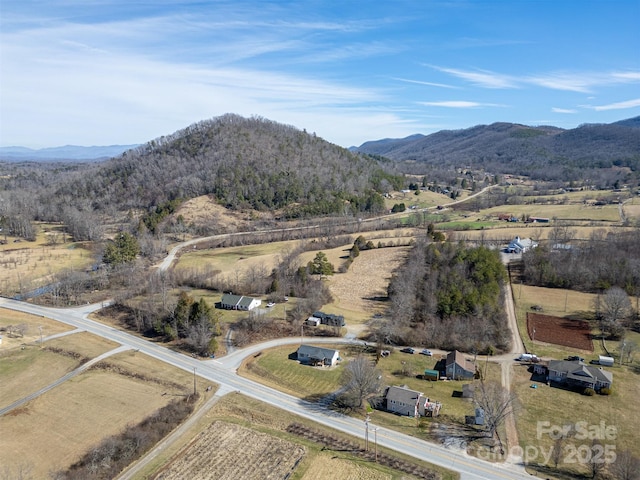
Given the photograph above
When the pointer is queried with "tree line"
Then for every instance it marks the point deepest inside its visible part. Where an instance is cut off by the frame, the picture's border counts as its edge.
(449, 296)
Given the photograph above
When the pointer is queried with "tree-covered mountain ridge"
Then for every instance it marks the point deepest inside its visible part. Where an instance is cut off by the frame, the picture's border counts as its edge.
(245, 163)
(542, 152)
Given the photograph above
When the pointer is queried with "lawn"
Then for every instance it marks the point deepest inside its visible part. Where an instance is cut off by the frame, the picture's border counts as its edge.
(274, 368)
(560, 407)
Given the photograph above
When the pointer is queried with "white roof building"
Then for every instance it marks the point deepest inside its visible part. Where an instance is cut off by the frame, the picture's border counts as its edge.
(521, 245)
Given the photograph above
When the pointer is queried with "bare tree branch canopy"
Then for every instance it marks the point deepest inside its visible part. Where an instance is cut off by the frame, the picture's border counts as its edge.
(497, 404)
(625, 467)
(360, 379)
(613, 308)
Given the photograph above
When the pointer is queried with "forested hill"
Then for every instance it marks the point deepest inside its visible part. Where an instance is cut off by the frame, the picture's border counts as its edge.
(243, 162)
(546, 152)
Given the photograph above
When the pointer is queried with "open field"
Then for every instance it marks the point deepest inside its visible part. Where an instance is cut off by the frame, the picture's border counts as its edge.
(604, 213)
(25, 370)
(360, 292)
(559, 331)
(560, 407)
(631, 209)
(25, 265)
(240, 453)
(556, 302)
(235, 409)
(32, 332)
(54, 430)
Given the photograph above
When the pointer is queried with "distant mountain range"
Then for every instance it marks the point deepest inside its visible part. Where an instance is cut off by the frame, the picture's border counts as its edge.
(68, 152)
(544, 152)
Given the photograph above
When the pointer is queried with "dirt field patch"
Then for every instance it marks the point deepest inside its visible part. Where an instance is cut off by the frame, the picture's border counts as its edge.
(238, 453)
(559, 331)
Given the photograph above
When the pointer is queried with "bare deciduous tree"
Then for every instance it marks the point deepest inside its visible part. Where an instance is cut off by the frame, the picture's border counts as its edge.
(360, 379)
(496, 402)
(615, 307)
(625, 467)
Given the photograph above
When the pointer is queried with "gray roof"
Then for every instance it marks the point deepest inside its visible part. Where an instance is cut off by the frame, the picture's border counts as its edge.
(577, 370)
(317, 352)
(403, 394)
(230, 299)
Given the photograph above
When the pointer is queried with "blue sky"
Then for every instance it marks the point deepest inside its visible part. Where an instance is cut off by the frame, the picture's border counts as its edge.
(119, 72)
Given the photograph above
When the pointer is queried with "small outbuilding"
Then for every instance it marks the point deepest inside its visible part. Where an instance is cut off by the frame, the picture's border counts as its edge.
(605, 361)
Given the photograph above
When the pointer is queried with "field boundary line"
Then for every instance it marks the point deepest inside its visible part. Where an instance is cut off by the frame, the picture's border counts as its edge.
(61, 380)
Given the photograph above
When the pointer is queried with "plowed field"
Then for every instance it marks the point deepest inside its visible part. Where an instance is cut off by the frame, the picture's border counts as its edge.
(559, 331)
(230, 452)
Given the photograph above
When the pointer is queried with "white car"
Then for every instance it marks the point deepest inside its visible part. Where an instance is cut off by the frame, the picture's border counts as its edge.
(271, 304)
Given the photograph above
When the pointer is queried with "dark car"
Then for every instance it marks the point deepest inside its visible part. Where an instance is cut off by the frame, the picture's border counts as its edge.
(408, 350)
(573, 358)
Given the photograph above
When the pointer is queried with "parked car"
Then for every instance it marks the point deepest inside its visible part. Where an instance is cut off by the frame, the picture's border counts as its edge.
(408, 350)
(573, 358)
(271, 304)
(426, 352)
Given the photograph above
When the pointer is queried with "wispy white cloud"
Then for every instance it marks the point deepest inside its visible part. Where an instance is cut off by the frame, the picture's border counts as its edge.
(482, 78)
(582, 82)
(618, 105)
(563, 110)
(460, 104)
(428, 84)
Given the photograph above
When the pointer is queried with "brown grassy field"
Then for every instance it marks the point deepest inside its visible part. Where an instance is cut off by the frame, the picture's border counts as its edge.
(631, 209)
(560, 407)
(240, 453)
(54, 430)
(27, 265)
(260, 418)
(32, 333)
(359, 293)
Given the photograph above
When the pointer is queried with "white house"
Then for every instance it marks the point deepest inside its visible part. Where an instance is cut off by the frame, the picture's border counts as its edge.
(239, 302)
(318, 355)
(521, 245)
(411, 403)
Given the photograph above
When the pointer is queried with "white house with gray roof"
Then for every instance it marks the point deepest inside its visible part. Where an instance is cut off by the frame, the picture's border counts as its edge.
(521, 245)
(230, 301)
(318, 355)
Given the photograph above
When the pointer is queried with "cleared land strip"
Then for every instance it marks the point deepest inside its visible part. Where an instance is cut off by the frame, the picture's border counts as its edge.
(61, 380)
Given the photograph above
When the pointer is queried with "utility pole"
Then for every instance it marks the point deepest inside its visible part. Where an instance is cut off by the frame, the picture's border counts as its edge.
(40, 327)
(375, 441)
(366, 433)
(194, 380)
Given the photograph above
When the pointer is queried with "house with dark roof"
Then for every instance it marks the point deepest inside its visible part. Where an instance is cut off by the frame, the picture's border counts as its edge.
(412, 403)
(458, 367)
(577, 374)
(230, 301)
(317, 355)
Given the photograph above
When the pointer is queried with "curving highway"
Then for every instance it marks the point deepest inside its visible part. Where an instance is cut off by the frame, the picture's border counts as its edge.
(223, 372)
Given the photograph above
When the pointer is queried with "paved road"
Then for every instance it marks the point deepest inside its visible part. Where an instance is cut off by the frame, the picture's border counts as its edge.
(223, 372)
